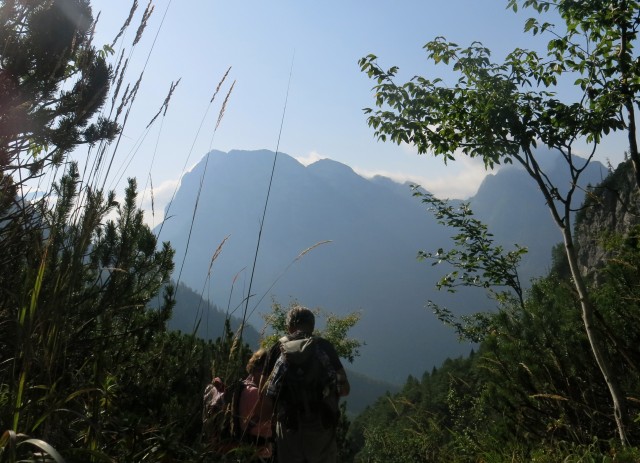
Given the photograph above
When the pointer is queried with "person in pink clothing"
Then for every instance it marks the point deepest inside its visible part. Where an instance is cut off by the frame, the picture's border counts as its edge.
(255, 430)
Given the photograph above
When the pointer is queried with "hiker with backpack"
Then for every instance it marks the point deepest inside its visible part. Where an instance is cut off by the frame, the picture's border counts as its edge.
(305, 381)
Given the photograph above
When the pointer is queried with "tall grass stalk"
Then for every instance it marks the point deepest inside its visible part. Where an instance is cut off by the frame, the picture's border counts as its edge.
(11, 443)
(198, 316)
(195, 138)
(204, 173)
(266, 203)
(285, 270)
(26, 323)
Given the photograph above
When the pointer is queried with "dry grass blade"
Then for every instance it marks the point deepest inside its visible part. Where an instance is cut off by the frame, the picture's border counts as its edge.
(224, 106)
(220, 85)
(235, 344)
(165, 105)
(153, 214)
(130, 98)
(123, 101)
(120, 73)
(217, 253)
(46, 448)
(126, 24)
(393, 405)
(9, 440)
(526, 368)
(126, 100)
(297, 258)
(235, 277)
(311, 248)
(233, 285)
(186, 162)
(92, 30)
(143, 22)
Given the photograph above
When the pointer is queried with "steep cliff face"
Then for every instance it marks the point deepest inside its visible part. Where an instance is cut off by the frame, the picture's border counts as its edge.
(611, 208)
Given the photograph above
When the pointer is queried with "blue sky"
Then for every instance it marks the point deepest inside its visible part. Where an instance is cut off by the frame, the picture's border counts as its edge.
(319, 43)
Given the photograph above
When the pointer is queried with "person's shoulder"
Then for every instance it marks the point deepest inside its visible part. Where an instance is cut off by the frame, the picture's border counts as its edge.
(322, 341)
(326, 345)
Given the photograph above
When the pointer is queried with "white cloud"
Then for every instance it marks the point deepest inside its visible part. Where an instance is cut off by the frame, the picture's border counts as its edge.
(458, 180)
(460, 185)
(310, 158)
(161, 196)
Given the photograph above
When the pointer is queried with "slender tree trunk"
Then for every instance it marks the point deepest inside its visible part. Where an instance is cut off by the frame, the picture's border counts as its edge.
(624, 63)
(588, 317)
(588, 311)
(633, 144)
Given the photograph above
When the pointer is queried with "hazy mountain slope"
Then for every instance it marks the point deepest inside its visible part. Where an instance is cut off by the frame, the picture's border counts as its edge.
(192, 313)
(365, 391)
(375, 228)
(514, 208)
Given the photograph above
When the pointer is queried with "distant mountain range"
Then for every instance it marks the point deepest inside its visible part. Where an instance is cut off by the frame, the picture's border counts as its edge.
(335, 240)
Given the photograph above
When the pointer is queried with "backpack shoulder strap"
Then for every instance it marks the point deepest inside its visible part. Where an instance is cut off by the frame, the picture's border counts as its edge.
(299, 350)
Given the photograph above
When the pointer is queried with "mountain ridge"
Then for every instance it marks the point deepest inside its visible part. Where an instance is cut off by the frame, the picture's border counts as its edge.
(370, 234)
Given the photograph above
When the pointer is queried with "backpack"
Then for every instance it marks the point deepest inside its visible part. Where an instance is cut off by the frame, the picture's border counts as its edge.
(220, 416)
(308, 385)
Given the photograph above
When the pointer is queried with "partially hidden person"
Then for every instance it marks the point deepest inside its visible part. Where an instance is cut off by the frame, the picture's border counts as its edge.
(231, 415)
(255, 429)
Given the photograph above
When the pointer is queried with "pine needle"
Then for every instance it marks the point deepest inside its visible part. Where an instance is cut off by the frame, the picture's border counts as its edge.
(548, 396)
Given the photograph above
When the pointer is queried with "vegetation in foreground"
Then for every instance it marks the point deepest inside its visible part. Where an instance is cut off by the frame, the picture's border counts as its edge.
(88, 372)
(531, 391)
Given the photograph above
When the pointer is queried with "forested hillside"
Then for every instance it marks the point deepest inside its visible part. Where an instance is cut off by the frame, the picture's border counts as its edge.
(532, 390)
(193, 314)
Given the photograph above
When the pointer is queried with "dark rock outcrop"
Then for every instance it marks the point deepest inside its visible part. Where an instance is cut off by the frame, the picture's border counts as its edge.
(611, 208)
